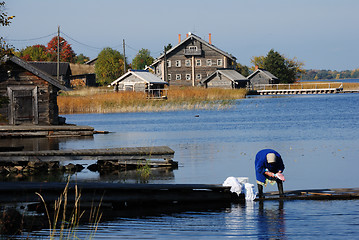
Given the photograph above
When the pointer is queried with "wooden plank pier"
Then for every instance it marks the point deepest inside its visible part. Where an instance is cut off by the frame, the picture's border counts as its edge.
(107, 159)
(14, 131)
(301, 88)
(314, 194)
(115, 193)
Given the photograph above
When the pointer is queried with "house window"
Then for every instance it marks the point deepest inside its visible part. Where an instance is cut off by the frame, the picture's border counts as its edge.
(178, 63)
(157, 70)
(188, 76)
(169, 77)
(198, 76)
(178, 76)
(219, 62)
(209, 62)
(188, 63)
(168, 63)
(198, 62)
(194, 48)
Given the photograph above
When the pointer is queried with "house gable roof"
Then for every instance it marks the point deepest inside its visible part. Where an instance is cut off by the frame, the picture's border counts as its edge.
(231, 74)
(34, 70)
(51, 68)
(144, 75)
(190, 38)
(265, 72)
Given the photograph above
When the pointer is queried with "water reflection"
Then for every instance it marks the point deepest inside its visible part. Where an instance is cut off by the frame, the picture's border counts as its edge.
(40, 143)
(271, 220)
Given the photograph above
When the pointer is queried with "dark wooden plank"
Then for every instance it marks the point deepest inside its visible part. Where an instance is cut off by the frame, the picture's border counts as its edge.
(156, 152)
(115, 193)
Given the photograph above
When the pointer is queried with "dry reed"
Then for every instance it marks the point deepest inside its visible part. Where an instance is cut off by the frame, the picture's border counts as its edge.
(68, 223)
(179, 98)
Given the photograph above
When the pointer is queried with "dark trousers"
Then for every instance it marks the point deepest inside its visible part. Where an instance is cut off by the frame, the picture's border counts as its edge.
(279, 185)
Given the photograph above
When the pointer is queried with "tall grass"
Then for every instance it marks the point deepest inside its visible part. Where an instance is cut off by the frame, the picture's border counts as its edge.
(63, 224)
(179, 98)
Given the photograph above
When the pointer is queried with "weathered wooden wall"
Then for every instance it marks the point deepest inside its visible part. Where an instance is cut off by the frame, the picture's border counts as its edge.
(138, 84)
(220, 81)
(46, 93)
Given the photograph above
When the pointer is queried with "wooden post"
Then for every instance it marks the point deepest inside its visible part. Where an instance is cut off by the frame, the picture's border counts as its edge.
(58, 53)
(193, 71)
(124, 57)
(165, 65)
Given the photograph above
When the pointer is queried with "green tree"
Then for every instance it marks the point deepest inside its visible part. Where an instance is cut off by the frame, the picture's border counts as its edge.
(5, 20)
(109, 66)
(142, 59)
(168, 47)
(81, 59)
(285, 69)
(243, 69)
(34, 53)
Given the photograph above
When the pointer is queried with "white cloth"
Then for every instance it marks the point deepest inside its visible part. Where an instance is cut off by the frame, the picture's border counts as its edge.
(236, 186)
(241, 185)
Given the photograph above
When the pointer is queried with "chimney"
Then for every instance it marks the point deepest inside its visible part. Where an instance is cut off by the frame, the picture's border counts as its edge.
(256, 68)
(179, 38)
(187, 35)
(210, 38)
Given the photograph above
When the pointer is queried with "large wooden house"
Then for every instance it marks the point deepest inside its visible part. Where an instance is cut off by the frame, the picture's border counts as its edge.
(191, 61)
(31, 93)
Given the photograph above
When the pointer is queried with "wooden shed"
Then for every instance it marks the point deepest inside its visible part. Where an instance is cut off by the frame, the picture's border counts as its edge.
(31, 93)
(262, 76)
(225, 78)
(141, 81)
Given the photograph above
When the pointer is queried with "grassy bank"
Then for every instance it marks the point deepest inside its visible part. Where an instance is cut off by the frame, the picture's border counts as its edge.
(101, 100)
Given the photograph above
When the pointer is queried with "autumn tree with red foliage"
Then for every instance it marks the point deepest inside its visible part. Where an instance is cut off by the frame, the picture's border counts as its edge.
(66, 52)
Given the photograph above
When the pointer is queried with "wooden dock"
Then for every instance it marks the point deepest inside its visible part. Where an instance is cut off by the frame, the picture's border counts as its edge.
(314, 194)
(107, 159)
(299, 88)
(115, 193)
(17, 131)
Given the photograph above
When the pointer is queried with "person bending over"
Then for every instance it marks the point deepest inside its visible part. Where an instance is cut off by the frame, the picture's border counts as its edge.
(269, 167)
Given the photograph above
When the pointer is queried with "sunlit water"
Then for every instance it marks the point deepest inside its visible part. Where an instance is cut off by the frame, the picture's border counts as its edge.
(317, 136)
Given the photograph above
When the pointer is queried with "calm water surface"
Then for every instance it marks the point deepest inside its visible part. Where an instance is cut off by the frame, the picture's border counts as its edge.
(317, 136)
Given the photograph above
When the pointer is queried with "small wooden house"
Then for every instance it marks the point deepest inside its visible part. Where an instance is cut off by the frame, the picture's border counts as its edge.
(262, 76)
(82, 75)
(31, 93)
(225, 78)
(141, 81)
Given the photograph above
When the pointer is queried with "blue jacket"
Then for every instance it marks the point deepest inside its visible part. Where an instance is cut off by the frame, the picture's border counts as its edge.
(261, 165)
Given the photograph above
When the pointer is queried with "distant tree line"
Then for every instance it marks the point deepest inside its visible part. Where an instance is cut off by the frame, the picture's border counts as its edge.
(313, 74)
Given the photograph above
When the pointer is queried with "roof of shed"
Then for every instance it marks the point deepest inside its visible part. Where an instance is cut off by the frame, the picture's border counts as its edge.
(189, 38)
(141, 74)
(259, 70)
(34, 70)
(229, 73)
(51, 68)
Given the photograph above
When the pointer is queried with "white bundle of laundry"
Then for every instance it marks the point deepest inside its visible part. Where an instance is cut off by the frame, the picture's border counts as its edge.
(241, 185)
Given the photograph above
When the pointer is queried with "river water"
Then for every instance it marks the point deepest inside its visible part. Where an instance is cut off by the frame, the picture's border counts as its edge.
(317, 136)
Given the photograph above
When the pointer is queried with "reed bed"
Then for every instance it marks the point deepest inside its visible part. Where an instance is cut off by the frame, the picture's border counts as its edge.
(179, 98)
(350, 86)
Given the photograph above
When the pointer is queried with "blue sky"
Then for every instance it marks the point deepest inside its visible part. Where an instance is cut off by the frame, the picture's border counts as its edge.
(321, 33)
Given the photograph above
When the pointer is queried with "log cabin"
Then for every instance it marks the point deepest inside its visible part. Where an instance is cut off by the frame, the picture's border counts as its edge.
(31, 94)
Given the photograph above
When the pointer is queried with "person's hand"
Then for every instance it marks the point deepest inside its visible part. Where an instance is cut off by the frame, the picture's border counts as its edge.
(280, 176)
